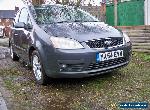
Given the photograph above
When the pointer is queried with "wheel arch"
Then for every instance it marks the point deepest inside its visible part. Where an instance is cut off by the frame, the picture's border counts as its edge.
(31, 49)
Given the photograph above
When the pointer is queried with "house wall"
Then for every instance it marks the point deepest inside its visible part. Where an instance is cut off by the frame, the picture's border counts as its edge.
(6, 22)
(147, 12)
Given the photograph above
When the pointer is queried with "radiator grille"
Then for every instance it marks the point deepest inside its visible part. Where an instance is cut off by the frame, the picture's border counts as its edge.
(104, 43)
(105, 64)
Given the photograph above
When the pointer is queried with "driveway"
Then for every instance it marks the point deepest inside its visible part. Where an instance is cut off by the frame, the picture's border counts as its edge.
(2, 102)
(4, 52)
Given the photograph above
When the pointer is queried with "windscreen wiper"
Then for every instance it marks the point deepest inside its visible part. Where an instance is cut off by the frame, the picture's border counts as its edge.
(62, 22)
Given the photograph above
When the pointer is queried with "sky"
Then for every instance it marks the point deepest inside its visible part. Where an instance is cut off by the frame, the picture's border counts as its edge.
(10, 4)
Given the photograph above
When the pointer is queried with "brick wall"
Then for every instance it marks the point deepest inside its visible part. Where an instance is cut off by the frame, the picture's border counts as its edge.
(94, 10)
(7, 23)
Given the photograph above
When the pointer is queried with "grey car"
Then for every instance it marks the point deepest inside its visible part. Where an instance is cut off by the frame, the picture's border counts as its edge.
(66, 42)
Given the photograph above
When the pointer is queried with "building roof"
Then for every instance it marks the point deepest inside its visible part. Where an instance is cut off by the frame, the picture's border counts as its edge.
(7, 14)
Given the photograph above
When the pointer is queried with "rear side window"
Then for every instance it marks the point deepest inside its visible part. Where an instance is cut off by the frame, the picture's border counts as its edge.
(23, 16)
(17, 17)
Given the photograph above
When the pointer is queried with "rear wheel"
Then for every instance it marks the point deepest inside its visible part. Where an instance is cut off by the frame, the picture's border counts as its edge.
(37, 68)
(13, 55)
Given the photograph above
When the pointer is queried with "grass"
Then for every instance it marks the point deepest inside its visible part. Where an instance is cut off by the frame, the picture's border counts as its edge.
(129, 84)
(143, 56)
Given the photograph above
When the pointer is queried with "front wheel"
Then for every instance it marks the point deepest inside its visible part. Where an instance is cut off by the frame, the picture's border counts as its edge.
(37, 68)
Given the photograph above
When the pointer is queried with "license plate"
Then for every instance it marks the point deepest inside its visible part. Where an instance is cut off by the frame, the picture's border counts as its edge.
(109, 55)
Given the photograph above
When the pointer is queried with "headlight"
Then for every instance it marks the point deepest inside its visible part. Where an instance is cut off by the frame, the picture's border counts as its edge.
(127, 39)
(65, 43)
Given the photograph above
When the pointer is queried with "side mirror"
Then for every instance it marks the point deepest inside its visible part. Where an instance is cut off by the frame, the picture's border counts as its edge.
(23, 25)
(28, 26)
(19, 25)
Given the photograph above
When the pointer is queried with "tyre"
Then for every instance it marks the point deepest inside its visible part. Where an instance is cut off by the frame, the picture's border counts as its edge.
(13, 55)
(37, 68)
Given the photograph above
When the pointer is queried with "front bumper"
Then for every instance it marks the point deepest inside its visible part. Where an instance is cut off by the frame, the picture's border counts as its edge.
(81, 63)
(88, 73)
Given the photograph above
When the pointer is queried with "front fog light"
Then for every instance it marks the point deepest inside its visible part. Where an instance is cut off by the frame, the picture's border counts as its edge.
(62, 67)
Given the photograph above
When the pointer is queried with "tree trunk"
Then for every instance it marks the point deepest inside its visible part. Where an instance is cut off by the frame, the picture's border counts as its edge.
(37, 2)
(78, 2)
(103, 12)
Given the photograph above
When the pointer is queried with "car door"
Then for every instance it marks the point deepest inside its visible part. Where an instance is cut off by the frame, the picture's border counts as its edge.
(16, 35)
(26, 38)
(23, 34)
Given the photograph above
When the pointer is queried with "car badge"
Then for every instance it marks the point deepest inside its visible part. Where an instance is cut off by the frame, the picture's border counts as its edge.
(107, 42)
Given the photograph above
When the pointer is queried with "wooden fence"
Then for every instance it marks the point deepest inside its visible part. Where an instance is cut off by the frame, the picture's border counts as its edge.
(130, 13)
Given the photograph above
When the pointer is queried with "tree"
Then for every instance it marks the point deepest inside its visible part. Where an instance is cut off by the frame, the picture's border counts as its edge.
(68, 2)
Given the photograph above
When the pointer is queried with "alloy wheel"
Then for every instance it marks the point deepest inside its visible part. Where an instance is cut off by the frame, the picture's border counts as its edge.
(37, 68)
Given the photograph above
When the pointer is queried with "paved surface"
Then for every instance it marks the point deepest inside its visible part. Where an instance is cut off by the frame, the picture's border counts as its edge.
(4, 42)
(2, 103)
(3, 53)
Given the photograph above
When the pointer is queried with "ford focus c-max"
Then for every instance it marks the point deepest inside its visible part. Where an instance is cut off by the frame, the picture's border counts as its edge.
(66, 42)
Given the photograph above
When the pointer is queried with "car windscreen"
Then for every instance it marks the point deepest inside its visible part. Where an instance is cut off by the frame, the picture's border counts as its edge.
(58, 14)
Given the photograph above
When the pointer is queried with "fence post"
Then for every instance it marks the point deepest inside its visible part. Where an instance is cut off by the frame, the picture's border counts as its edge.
(115, 13)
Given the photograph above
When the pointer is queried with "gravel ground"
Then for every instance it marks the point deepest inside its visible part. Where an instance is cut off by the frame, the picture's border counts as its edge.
(4, 42)
(103, 92)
